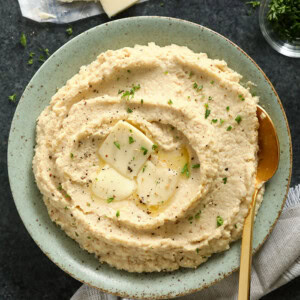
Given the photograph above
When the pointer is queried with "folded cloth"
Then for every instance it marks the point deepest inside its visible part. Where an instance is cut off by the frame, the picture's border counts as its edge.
(276, 263)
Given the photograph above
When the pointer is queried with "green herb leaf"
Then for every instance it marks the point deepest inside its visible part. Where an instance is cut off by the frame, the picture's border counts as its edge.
(117, 144)
(166, 72)
(210, 98)
(214, 120)
(31, 54)
(224, 180)
(30, 61)
(144, 168)
(170, 102)
(129, 110)
(212, 82)
(221, 121)
(71, 155)
(219, 221)
(118, 214)
(111, 199)
(196, 166)
(207, 111)
(197, 250)
(253, 3)
(197, 215)
(227, 108)
(12, 98)
(46, 51)
(142, 101)
(69, 30)
(154, 147)
(229, 128)
(241, 97)
(131, 140)
(185, 170)
(41, 58)
(238, 119)
(145, 150)
(23, 40)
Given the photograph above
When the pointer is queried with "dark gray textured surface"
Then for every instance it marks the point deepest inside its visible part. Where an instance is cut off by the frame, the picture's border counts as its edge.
(25, 272)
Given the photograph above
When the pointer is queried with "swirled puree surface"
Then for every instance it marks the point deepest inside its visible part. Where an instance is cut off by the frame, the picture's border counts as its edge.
(147, 157)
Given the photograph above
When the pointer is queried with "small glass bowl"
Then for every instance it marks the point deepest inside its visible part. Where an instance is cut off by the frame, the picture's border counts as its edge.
(291, 49)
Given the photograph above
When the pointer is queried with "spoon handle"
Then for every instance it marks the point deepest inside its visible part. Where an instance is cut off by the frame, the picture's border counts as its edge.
(246, 252)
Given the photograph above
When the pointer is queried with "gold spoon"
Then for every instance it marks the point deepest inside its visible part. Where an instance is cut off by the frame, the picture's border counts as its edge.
(268, 159)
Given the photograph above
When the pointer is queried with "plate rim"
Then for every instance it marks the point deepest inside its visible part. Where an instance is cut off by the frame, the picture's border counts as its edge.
(223, 275)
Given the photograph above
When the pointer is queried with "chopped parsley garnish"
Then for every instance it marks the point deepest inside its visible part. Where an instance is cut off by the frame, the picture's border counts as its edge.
(166, 72)
(170, 102)
(229, 128)
(71, 155)
(212, 82)
(59, 187)
(185, 170)
(190, 218)
(197, 215)
(197, 250)
(145, 150)
(227, 108)
(254, 3)
(154, 147)
(41, 58)
(30, 61)
(214, 120)
(117, 145)
(128, 71)
(130, 94)
(131, 140)
(196, 166)
(224, 180)
(207, 111)
(120, 91)
(69, 30)
(235, 226)
(46, 51)
(210, 98)
(284, 17)
(238, 119)
(221, 121)
(31, 54)
(219, 221)
(191, 74)
(23, 40)
(111, 199)
(12, 97)
(118, 214)
(241, 97)
(197, 87)
(144, 168)
(129, 110)
(142, 101)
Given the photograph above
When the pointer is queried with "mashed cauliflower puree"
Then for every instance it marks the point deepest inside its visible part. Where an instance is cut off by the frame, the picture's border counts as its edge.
(147, 157)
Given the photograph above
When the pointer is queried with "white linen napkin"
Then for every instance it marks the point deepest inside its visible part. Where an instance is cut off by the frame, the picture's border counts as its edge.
(275, 264)
(58, 12)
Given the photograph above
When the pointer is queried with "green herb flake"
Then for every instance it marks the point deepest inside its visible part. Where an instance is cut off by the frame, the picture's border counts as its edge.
(219, 221)
(71, 155)
(190, 218)
(131, 140)
(142, 101)
(238, 119)
(196, 166)
(227, 108)
(224, 180)
(41, 58)
(30, 61)
(235, 226)
(12, 97)
(197, 87)
(59, 187)
(185, 170)
(207, 111)
(23, 40)
(197, 215)
(221, 121)
(191, 74)
(144, 168)
(166, 72)
(76, 233)
(210, 98)
(229, 128)
(111, 199)
(154, 147)
(145, 150)
(117, 144)
(212, 82)
(47, 52)
(254, 4)
(129, 110)
(120, 91)
(118, 214)
(241, 97)
(197, 250)
(214, 120)
(128, 71)
(66, 207)
(69, 30)
(31, 54)
(130, 94)
(170, 102)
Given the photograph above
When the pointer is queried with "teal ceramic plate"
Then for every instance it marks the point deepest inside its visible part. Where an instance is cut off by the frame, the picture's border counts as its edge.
(61, 66)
